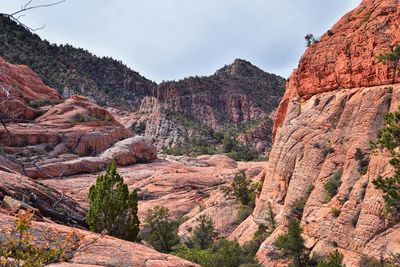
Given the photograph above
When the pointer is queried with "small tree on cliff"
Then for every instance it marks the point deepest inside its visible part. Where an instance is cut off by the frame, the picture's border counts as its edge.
(163, 232)
(241, 189)
(204, 233)
(389, 140)
(112, 209)
(291, 244)
(393, 59)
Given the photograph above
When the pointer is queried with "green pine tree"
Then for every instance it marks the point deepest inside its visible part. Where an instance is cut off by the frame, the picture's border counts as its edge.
(163, 233)
(111, 208)
(393, 59)
(389, 140)
(335, 259)
(204, 233)
(291, 244)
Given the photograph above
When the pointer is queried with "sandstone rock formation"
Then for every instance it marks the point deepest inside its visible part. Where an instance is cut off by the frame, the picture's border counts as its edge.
(334, 104)
(98, 250)
(75, 136)
(20, 86)
(181, 184)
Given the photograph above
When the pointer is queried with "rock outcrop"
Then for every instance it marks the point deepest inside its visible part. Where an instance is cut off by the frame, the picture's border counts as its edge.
(181, 184)
(95, 249)
(334, 105)
(20, 87)
(71, 137)
(238, 97)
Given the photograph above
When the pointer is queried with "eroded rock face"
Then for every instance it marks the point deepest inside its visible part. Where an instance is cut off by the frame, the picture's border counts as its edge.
(19, 86)
(71, 138)
(98, 250)
(346, 56)
(238, 96)
(334, 105)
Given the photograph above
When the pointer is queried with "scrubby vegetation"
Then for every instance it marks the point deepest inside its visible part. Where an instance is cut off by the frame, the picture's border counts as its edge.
(335, 259)
(310, 39)
(388, 140)
(40, 103)
(196, 146)
(139, 128)
(112, 209)
(160, 231)
(297, 206)
(64, 66)
(80, 118)
(392, 59)
(244, 192)
(221, 252)
(291, 245)
(237, 151)
(332, 186)
(392, 261)
(19, 249)
(363, 161)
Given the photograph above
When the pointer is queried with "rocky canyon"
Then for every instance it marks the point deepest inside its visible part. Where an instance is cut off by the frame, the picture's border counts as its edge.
(66, 115)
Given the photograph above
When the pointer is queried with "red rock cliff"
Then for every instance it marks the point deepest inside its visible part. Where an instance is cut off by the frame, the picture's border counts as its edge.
(334, 104)
(346, 56)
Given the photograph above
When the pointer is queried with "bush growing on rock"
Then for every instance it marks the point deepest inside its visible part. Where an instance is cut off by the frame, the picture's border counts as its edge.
(19, 249)
(112, 209)
(335, 259)
(162, 232)
(291, 245)
(391, 58)
(332, 186)
(237, 151)
(244, 192)
(241, 188)
(363, 161)
(389, 140)
(204, 233)
(392, 261)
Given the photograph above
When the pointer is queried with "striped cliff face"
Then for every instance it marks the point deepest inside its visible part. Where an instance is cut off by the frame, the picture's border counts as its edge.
(334, 105)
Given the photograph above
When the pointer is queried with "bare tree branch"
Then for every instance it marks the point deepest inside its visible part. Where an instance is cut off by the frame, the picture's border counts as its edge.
(13, 16)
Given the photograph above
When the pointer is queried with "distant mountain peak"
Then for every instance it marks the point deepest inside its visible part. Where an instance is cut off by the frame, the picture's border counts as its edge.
(240, 67)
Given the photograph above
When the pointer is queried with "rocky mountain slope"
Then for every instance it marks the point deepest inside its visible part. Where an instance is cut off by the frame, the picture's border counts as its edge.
(334, 105)
(239, 98)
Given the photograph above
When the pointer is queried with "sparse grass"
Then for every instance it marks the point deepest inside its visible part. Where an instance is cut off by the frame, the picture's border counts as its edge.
(327, 149)
(332, 186)
(40, 103)
(81, 118)
(335, 212)
(354, 221)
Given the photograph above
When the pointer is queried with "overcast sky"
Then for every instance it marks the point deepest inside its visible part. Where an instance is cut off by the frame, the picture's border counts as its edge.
(172, 39)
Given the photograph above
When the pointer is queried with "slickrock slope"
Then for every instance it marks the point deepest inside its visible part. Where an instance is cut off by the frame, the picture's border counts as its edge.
(181, 184)
(72, 137)
(17, 190)
(97, 250)
(334, 104)
(20, 86)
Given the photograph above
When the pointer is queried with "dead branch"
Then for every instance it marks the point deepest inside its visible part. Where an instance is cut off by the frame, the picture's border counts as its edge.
(16, 16)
